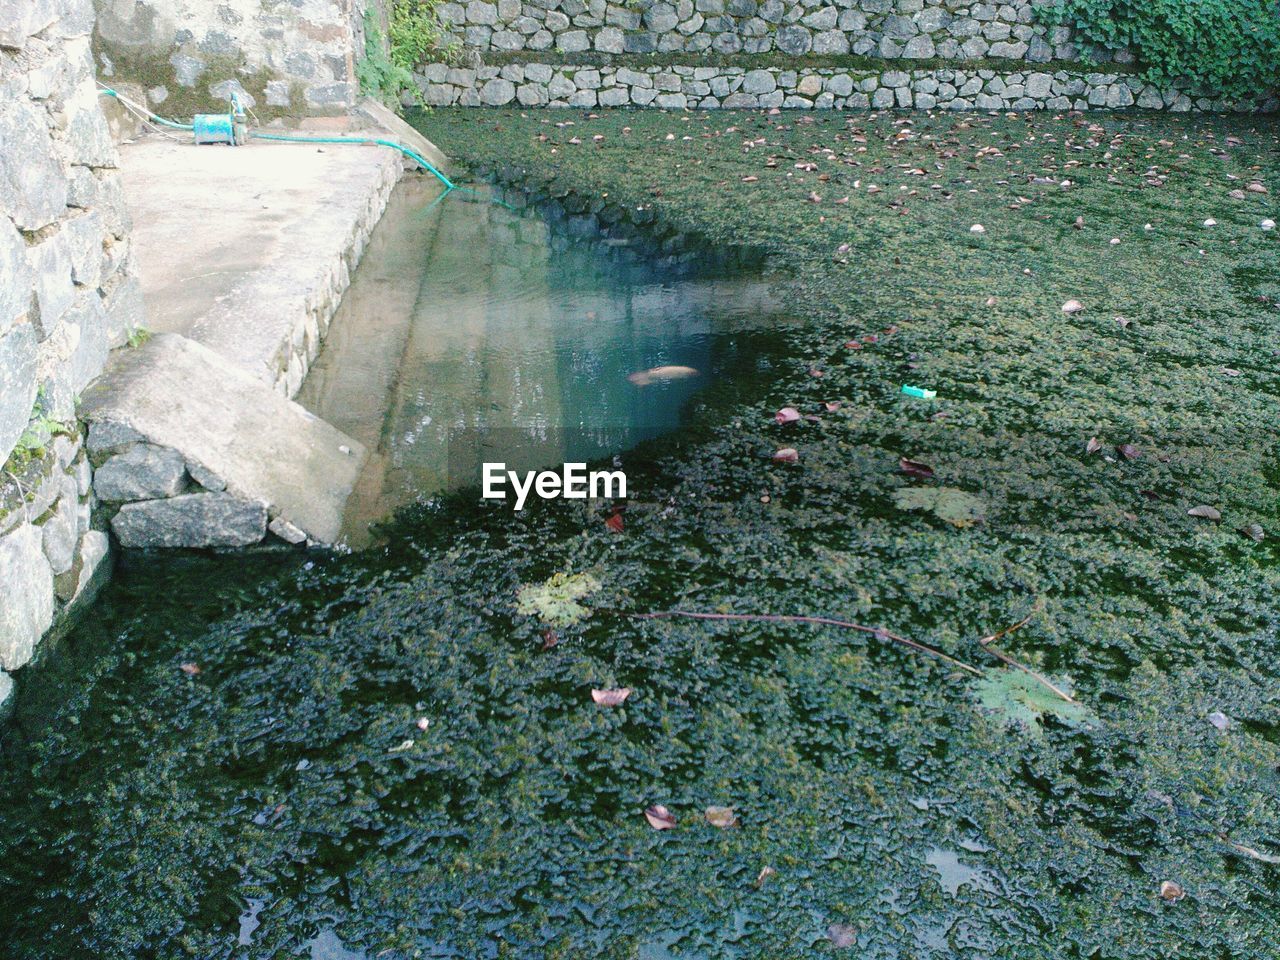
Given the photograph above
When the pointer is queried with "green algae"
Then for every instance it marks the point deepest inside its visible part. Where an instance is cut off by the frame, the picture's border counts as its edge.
(145, 809)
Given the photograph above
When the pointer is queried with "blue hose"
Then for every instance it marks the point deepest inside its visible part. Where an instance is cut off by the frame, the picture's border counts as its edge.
(411, 154)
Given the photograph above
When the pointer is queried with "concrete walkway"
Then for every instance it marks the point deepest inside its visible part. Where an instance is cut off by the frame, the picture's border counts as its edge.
(248, 249)
(244, 255)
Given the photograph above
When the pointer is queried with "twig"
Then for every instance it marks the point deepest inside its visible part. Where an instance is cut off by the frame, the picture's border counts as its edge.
(1249, 851)
(826, 621)
(986, 644)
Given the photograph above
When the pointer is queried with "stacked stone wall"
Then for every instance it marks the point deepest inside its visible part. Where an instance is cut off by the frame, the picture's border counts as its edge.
(854, 54)
(68, 293)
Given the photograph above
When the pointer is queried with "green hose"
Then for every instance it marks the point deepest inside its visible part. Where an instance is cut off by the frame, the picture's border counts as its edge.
(413, 155)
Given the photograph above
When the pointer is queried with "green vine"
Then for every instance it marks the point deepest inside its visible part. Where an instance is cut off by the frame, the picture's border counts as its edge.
(1228, 47)
(416, 35)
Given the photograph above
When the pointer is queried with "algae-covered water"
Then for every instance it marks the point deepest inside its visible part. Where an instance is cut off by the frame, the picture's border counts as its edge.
(397, 753)
(474, 332)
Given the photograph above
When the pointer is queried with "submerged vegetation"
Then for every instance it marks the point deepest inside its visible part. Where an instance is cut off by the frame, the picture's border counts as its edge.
(427, 751)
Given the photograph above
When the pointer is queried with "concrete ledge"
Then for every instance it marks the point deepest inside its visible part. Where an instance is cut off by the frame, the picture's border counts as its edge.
(263, 456)
(248, 249)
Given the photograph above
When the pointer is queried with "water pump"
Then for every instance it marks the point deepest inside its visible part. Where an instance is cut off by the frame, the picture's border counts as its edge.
(229, 128)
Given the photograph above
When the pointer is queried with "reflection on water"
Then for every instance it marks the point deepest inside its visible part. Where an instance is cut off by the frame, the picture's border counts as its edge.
(473, 333)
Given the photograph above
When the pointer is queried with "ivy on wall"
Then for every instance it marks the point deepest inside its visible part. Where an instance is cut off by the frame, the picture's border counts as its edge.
(1232, 47)
(415, 34)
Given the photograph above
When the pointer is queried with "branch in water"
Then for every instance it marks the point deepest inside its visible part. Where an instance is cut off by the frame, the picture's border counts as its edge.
(986, 644)
(879, 632)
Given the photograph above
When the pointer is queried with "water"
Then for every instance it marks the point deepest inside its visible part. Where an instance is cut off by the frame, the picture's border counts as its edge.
(472, 333)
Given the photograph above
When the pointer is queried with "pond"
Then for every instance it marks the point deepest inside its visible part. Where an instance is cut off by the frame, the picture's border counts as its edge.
(473, 332)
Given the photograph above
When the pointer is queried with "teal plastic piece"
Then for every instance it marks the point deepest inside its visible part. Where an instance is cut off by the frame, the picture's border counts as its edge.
(920, 392)
(214, 128)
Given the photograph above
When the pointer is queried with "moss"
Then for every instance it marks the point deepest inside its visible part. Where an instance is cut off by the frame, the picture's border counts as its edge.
(149, 807)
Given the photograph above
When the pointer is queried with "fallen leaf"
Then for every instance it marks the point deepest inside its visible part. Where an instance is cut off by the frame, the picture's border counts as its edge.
(190, 669)
(1093, 446)
(787, 415)
(915, 467)
(1256, 187)
(1072, 306)
(611, 698)
(786, 455)
(1205, 512)
(1254, 532)
(549, 638)
(832, 406)
(764, 875)
(1171, 892)
(842, 936)
(1220, 720)
(660, 818)
(614, 522)
(1128, 451)
(721, 817)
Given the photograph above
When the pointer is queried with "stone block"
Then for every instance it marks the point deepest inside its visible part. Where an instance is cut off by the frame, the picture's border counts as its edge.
(60, 532)
(142, 472)
(17, 384)
(191, 520)
(86, 569)
(33, 190)
(15, 290)
(26, 595)
(50, 262)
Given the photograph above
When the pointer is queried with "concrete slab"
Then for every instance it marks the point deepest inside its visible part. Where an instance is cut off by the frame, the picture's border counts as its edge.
(177, 393)
(248, 249)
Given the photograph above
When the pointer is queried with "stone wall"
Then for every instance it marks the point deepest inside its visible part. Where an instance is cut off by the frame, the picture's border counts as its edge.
(674, 54)
(186, 56)
(68, 293)
(892, 29)
(559, 84)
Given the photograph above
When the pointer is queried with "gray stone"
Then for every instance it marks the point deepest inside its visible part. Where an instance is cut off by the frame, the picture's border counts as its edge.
(191, 520)
(15, 290)
(1119, 96)
(919, 48)
(60, 532)
(223, 89)
(614, 97)
(87, 570)
(497, 92)
(480, 12)
(17, 384)
(899, 28)
(574, 41)
(51, 265)
(186, 69)
(1150, 98)
(759, 81)
(1038, 85)
(831, 42)
(109, 436)
(26, 595)
(6, 681)
(33, 190)
(286, 531)
(142, 472)
(794, 40)
(609, 40)
(824, 18)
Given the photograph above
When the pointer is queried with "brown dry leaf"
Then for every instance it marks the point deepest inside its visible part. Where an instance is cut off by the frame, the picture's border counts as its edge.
(1072, 306)
(549, 638)
(764, 875)
(190, 669)
(1093, 446)
(614, 522)
(750, 179)
(915, 467)
(1171, 892)
(660, 818)
(1128, 451)
(1205, 512)
(787, 415)
(786, 455)
(842, 936)
(1254, 532)
(1256, 187)
(611, 698)
(721, 817)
